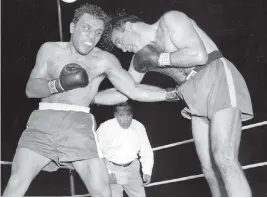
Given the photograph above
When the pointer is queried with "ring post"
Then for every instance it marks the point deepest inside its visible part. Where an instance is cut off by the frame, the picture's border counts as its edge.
(72, 186)
(59, 20)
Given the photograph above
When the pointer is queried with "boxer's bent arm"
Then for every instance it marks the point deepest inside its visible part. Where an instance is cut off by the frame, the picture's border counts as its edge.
(94, 83)
(124, 82)
(37, 86)
(191, 51)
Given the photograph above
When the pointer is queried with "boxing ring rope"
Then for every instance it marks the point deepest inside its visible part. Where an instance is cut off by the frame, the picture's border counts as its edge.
(201, 175)
(192, 140)
(249, 166)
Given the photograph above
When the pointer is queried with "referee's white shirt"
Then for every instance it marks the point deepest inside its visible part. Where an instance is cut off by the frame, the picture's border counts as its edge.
(121, 146)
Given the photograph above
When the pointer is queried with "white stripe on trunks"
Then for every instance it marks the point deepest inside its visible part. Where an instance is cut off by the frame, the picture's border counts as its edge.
(230, 82)
(100, 154)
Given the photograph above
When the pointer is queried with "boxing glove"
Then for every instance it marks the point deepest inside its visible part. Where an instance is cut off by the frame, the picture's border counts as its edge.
(172, 94)
(146, 59)
(150, 58)
(72, 76)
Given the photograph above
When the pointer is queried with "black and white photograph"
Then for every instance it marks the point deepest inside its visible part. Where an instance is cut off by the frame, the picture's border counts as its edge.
(134, 98)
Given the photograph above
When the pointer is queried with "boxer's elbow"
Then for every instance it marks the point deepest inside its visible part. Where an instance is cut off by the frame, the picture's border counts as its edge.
(37, 88)
(28, 90)
(202, 58)
(30, 93)
(138, 93)
(133, 92)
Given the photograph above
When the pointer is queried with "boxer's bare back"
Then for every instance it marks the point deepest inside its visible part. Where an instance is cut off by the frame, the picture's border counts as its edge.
(165, 43)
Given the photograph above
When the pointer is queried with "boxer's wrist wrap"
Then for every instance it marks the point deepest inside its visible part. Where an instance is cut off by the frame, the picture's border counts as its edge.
(55, 86)
(164, 59)
(171, 94)
(191, 74)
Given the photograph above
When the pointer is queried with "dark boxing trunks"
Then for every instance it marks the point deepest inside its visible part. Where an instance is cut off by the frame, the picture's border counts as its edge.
(215, 86)
(64, 136)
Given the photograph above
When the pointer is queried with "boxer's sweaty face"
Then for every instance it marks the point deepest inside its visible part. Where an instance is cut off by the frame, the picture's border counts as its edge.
(86, 33)
(124, 40)
(124, 118)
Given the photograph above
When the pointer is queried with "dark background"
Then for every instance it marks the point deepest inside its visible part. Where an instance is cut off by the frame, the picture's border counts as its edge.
(238, 27)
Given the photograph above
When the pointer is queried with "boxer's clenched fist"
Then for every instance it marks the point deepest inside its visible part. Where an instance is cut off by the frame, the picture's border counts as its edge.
(72, 76)
(149, 58)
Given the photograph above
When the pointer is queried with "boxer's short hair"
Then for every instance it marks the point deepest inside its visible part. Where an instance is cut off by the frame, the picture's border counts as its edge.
(116, 22)
(119, 21)
(91, 9)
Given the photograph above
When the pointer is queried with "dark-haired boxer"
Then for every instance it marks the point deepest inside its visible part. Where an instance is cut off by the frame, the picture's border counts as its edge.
(215, 92)
(66, 77)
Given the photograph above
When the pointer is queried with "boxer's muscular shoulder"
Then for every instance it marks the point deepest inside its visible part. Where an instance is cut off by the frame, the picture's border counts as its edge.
(172, 18)
(49, 48)
(46, 48)
(107, 60)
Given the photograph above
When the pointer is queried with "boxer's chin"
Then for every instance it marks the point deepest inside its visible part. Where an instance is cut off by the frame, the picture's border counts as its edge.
(85, 51)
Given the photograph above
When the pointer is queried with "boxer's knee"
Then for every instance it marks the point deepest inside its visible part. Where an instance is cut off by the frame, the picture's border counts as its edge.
(208, 171)
(224, 157)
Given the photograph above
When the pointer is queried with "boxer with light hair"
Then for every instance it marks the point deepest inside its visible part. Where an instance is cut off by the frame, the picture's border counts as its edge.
(215, 92)
(66, 78)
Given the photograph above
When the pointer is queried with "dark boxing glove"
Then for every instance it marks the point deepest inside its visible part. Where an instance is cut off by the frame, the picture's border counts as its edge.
(172, 94)
(72, 76)
(149, 58)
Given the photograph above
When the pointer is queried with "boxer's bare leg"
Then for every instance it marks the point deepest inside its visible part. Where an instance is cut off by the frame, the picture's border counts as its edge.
(225, 131)
(25, 166)
(95, 176)
(200, 130)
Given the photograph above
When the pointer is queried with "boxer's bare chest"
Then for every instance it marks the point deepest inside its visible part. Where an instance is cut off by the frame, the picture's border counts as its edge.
(80, 96)
(165, 44)
(56, 63)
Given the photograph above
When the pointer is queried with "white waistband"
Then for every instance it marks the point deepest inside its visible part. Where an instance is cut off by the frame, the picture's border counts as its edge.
(62, 107)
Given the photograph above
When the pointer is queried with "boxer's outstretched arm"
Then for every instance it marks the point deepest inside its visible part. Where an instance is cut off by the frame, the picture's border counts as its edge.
(37, 84)
(191, 51)
(125, 83)
(109, 97)
(114, 96)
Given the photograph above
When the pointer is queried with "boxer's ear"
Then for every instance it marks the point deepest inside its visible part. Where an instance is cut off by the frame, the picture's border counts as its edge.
(72, 26)
(128, 26)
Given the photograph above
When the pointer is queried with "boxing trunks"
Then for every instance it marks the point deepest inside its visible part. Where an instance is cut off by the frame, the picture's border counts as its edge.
(61, 132)
(215, 86)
